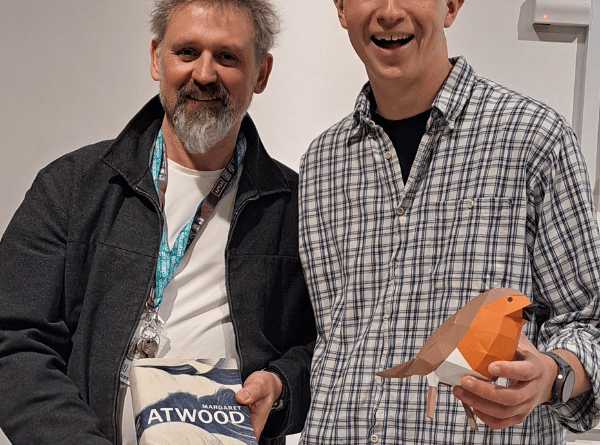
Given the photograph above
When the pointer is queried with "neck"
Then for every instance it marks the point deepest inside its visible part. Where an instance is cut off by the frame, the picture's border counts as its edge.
(215, 158)
(400, 100)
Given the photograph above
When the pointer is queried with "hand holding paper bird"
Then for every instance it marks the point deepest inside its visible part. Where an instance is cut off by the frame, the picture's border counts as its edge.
(485, 330)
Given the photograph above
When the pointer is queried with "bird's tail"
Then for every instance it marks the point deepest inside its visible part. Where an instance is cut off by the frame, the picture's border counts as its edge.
(398, 371)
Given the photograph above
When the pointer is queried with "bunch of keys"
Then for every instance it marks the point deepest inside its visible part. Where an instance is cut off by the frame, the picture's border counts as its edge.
(147, 346)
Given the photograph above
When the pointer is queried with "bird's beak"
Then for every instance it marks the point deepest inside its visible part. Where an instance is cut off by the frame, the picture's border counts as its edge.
(529, 311)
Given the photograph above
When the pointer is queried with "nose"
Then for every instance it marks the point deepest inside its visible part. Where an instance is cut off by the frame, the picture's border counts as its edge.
(390, 13)
(205, 71)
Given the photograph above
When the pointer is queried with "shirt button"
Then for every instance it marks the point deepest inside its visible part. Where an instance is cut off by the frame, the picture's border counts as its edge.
(374, 438)
(388, 155)
(400, 211)
(470, 204)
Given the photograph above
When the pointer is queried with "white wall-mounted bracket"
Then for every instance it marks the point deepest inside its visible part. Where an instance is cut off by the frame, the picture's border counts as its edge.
(562, 12)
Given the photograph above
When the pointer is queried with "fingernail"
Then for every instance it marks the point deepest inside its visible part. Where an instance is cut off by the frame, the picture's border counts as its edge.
(468, 382)
(243, 396)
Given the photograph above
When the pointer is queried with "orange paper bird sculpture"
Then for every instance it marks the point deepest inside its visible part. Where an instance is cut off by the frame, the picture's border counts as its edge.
(485, 330)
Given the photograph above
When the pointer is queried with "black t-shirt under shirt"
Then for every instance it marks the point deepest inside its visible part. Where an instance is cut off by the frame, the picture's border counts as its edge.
(406, 135)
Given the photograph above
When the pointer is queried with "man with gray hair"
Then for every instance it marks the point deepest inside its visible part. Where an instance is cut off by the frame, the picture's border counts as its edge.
(176, 239)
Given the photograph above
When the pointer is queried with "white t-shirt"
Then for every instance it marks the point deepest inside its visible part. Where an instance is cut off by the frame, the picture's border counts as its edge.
(194, 309)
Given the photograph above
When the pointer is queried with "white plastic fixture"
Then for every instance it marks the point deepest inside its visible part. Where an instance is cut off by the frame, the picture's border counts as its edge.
(562, 12)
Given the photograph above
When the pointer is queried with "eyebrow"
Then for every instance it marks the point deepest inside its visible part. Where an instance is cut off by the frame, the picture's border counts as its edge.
(238, 49)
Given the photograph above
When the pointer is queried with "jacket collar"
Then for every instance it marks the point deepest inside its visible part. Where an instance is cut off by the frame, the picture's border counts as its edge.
(129, 154)
(261, 175)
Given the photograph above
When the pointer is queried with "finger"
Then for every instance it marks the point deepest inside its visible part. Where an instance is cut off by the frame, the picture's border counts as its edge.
(476, 393)
(497, 423)
(509, 406)
(259, 392)
(252, 391)
(243, 397)
(258, 417)
(523, 370)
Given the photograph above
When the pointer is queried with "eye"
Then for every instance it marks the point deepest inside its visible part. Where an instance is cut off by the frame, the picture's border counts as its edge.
(187, 54)
(228, 59)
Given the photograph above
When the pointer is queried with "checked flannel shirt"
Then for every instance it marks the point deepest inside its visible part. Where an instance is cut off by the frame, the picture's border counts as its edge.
(498, 196)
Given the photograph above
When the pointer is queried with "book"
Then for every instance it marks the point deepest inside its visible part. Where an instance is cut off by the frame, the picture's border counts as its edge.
(189, 402)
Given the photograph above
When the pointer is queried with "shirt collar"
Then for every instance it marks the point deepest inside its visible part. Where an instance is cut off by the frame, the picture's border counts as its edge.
(456, 91)
(363, 107)
(449, 103)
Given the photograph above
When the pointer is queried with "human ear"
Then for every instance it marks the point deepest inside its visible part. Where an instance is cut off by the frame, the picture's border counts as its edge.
(263, 74)
(339, 4)
(452, 7)
(154, 59)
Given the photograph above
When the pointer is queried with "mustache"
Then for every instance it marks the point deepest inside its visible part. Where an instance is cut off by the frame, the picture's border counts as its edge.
(211, 91)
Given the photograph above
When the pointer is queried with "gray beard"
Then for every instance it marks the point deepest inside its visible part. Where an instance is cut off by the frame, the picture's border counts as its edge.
(201, 130)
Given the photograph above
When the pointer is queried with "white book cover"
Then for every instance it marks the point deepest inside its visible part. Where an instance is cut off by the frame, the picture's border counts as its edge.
(178, 402)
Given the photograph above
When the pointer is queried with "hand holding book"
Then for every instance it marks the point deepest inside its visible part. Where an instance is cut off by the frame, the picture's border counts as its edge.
(191, 401)
(261, 390)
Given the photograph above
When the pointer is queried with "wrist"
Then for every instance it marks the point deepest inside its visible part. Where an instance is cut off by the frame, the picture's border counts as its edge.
(552, 368)
(280, 388)
(564, 382)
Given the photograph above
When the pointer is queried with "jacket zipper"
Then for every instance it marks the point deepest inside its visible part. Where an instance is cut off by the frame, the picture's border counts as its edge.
(231, 229)
(118, 409)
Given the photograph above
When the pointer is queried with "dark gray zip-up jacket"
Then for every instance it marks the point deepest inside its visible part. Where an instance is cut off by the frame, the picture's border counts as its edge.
(78, 260)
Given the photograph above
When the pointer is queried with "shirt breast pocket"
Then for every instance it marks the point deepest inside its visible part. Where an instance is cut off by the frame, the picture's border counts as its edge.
(477, 244)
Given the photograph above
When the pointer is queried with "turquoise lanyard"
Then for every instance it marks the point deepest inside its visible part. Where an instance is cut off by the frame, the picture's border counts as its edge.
(168, 260)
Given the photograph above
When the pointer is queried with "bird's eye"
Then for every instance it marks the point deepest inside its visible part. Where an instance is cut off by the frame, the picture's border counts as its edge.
(510, 299)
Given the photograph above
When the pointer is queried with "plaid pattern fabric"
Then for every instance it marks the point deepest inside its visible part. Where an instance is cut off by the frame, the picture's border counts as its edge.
(498, 196)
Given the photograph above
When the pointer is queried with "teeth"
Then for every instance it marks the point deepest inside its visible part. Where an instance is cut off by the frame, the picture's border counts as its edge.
(394, 38)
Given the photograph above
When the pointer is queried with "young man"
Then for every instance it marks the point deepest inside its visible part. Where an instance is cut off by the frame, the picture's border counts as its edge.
(439, 186)
(180, 234)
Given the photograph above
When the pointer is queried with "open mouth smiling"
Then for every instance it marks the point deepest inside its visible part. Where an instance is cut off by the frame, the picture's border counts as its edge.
(392, 41)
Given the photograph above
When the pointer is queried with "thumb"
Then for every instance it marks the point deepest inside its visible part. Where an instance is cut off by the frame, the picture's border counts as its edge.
(243, 397)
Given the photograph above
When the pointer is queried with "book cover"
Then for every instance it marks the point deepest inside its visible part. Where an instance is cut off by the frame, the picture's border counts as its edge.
(189, 402)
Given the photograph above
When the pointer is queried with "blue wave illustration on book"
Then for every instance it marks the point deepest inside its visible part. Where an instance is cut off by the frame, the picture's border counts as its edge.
(223, 376)
(217, 414)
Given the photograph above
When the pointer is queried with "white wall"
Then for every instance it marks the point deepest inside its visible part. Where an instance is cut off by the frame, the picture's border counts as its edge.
(73, 72)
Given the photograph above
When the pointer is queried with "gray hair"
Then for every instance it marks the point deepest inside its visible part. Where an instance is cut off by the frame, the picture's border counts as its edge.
(264, 16)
